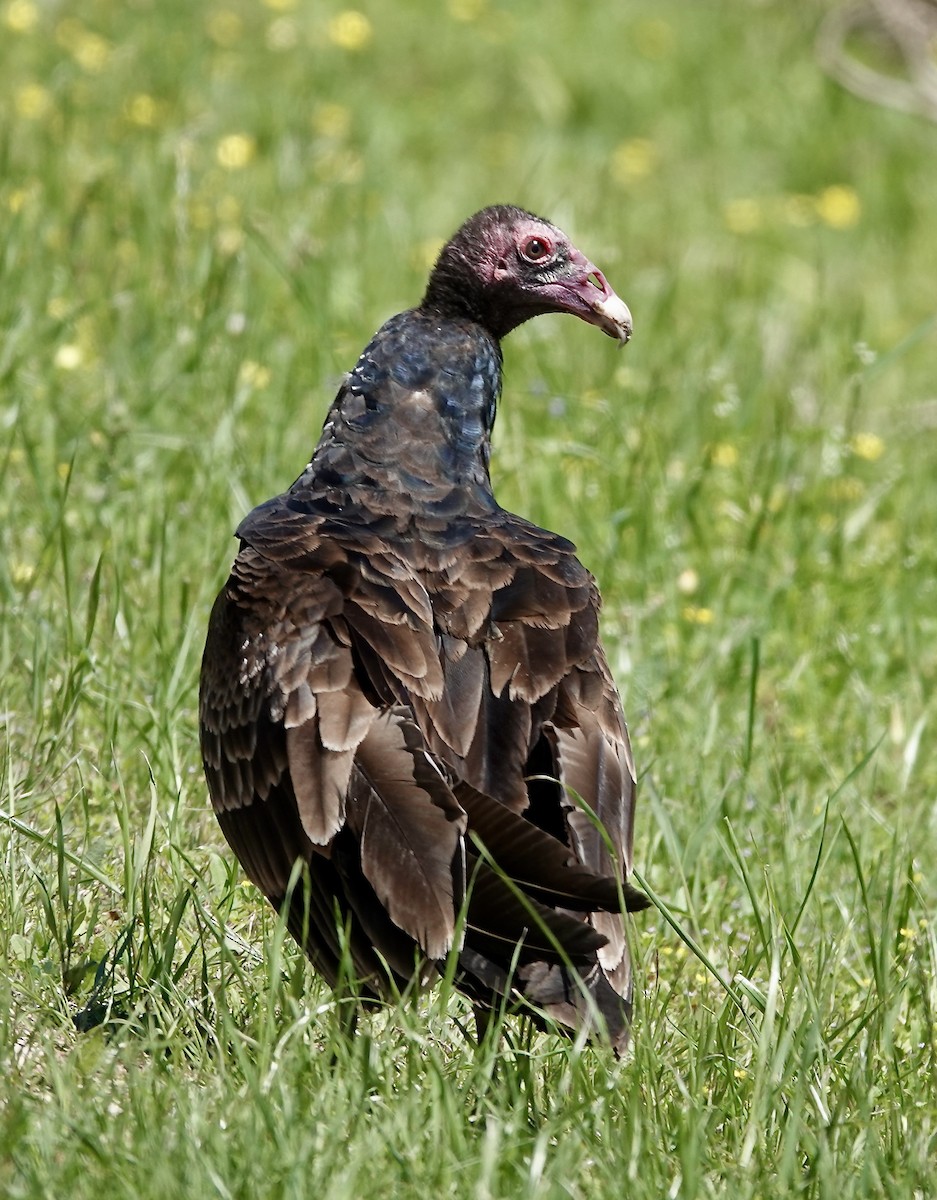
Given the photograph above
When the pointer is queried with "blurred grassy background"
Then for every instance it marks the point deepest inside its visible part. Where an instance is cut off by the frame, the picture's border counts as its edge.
(205, 210)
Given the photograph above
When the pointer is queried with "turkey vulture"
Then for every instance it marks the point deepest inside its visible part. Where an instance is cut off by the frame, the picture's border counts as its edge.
(403, 686)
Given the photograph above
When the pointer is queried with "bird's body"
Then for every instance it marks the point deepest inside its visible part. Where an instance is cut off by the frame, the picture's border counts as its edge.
(403, 686)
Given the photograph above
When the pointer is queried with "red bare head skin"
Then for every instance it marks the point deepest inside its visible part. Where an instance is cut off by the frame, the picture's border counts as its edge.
(506, 265)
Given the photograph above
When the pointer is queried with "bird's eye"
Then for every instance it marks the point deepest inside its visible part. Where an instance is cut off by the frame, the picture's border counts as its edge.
(536, 249)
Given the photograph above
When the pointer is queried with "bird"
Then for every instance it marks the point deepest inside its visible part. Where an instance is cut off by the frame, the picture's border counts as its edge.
(411, 736)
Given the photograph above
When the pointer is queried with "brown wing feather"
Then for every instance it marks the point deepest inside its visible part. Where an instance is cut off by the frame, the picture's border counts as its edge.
(539, 864)
(506, 926)
(409, 828)
(369, 700)
(594, 762)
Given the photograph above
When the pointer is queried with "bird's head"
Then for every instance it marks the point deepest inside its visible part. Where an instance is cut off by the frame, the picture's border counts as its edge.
(506, 265)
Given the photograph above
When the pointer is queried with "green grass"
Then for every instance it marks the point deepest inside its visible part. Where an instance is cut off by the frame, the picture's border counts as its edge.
(752, 482)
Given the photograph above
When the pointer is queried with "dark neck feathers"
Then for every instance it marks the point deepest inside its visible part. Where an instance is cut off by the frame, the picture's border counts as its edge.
(410, 429)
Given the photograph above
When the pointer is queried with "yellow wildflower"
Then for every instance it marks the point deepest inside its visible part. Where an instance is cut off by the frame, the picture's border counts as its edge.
(838, 206)
(235, 151)
(633, 159)
(331, 120)
(350, 30)
(16, 201)
(282, 34)
(868, 446)
(723, 454)
(69, 356)
(224, 27)
(229, 240)
(846, 488)
(32, 101)
(253, 374)
(21, 16)
(142, 110)
(92, 53)
(742, 216)
(22, 572)
(697, 616)
(88, 49)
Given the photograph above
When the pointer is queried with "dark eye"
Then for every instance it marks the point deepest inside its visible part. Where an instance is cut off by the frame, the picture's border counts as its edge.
(536, 249)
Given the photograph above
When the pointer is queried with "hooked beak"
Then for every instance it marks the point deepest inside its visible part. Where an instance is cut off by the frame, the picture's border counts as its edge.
(596, 303)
